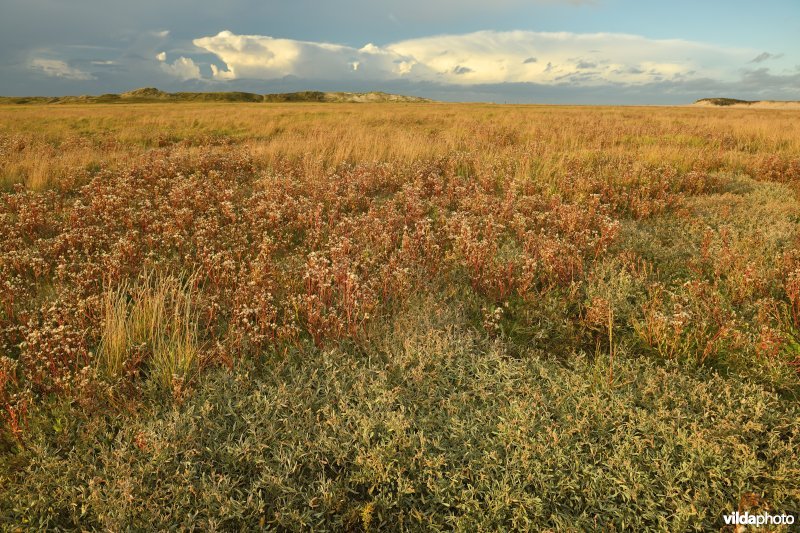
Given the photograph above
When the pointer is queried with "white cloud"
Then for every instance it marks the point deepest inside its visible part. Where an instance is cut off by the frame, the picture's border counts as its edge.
(59, 69)
(218, 74)
(262, 57)
(479, 58)
(183, 68)
(161, 56)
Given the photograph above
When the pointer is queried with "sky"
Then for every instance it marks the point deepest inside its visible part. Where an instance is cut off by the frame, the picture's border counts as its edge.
(515, 51)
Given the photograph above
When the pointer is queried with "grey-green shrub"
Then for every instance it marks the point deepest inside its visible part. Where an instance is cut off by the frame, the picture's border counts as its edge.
(432, 429)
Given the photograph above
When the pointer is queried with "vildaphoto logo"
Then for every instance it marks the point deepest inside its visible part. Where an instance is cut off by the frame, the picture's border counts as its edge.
(763, 519)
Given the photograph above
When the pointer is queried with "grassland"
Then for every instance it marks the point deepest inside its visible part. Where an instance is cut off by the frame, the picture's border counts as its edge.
(397, 316)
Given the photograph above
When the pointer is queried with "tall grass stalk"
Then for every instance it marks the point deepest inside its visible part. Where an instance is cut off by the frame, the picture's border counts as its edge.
(115, 333)
(175, 347)
(157, 317)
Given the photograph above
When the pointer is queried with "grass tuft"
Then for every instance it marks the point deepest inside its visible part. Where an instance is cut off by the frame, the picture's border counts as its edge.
(156, 317)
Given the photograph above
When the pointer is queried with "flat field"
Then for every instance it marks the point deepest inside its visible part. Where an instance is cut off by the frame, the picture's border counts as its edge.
(397, 316)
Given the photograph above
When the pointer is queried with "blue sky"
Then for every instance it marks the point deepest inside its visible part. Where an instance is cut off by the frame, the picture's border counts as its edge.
(550, 51)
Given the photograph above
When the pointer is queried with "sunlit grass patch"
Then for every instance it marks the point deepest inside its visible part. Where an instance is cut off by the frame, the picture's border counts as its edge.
(155, 317)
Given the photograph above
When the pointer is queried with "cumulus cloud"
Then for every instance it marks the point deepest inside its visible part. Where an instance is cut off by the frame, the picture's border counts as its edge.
(183, 68)
(263, 57)
(59, 69)
(477, 58)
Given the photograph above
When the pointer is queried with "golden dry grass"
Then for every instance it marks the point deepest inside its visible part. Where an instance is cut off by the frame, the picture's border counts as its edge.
(156, 317)
(44, 146)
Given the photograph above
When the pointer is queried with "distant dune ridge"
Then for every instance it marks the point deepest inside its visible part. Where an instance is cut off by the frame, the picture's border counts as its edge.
(759, 104)
(154, 95)
(151, 94)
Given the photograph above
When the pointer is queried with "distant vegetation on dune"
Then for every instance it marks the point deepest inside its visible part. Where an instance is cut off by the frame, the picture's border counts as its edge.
(151, 94)
(733, 102)
(723, 101)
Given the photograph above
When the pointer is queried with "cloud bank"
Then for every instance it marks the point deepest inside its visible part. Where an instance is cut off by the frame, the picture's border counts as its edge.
(500, 66)
(183, 68)
(482, 57)
(59, 69)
